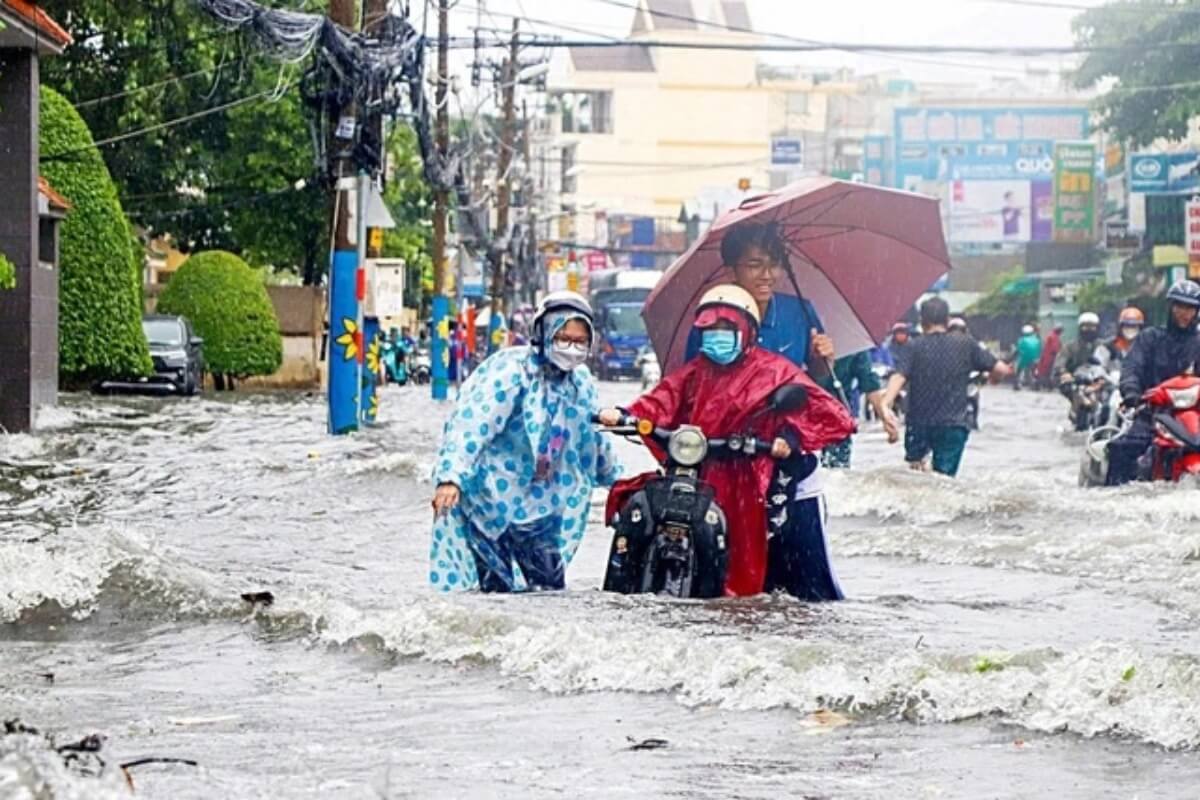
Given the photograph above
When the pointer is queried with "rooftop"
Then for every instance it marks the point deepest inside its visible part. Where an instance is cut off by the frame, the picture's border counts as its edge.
(40, 20)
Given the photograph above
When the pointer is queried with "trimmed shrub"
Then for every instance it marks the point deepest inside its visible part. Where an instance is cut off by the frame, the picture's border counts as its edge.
(229, 307)
(100, 280)
(8, 273)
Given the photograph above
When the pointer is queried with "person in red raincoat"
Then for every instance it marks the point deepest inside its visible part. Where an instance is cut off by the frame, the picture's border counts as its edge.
(725, 392)
(1050, 348)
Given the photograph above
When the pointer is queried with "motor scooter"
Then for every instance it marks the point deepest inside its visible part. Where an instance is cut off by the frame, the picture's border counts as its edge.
(669, 533)
(422, 366)
(1173, 407)
(1091, 395)
(648, 366)
(395, 362)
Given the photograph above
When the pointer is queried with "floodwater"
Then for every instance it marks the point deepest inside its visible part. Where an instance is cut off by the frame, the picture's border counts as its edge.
(1006, 634)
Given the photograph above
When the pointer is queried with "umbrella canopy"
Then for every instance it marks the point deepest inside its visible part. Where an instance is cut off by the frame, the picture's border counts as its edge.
(862, 254)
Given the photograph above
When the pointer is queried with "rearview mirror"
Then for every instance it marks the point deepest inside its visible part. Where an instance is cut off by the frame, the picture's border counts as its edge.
(791, 397)
(195, 341)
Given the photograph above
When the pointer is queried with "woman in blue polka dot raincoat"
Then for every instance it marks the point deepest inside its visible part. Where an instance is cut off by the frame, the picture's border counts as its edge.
(518, 460)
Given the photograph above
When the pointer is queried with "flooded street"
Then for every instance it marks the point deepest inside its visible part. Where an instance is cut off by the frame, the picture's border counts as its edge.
(1006, 634)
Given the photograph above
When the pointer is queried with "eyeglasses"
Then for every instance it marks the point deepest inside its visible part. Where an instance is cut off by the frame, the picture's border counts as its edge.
(583, 341)
(759, 267)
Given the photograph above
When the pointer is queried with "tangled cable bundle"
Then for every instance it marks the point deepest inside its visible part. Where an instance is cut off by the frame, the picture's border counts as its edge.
(370, 72)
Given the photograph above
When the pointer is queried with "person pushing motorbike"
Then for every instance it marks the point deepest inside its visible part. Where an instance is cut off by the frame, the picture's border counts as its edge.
(518, 460)
(1156, 355)
(725, 393)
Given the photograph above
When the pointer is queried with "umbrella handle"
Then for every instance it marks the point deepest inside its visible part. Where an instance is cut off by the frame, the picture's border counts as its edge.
(837, 384)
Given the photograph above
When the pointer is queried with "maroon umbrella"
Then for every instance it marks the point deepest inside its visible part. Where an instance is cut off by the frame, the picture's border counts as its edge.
(862, 254)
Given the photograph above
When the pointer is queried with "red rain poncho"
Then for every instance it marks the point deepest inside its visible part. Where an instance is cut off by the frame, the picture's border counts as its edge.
(726, 400)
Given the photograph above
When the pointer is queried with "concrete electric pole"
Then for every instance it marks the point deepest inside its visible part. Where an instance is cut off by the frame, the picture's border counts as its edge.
(499, 253)
(441, 207)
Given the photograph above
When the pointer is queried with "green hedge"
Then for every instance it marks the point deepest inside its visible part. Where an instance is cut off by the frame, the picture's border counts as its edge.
(8, 273)
(229, 307)
(100, 279)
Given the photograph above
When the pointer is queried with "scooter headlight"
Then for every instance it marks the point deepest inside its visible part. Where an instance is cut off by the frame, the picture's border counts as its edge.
(687, 446)
(1184, 398)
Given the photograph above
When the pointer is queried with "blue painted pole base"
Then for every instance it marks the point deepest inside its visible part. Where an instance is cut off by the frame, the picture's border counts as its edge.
(344, 341)
(440, 354)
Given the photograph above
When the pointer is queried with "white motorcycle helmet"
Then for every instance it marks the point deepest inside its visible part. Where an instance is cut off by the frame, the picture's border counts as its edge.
(560, 301)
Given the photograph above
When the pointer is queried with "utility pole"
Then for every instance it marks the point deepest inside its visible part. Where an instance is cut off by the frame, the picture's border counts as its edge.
(502, 193)
(344, 294)
(441, 207)
(530, 206)
(374, 14)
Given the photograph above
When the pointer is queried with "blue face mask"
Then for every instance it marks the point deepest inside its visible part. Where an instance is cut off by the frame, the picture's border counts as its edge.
(720, 346)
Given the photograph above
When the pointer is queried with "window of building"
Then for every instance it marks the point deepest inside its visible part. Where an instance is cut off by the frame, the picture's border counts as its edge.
(585, 112)
(797, 102)
(569, 183)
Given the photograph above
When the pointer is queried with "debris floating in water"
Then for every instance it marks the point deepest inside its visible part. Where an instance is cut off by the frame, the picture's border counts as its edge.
(255, 598)
(647, 744)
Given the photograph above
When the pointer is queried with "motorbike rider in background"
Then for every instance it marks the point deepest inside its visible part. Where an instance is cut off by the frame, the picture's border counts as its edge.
(900, 342)
(1129, 324)
(1077, 353)
(1156, 355)
(1029, 352)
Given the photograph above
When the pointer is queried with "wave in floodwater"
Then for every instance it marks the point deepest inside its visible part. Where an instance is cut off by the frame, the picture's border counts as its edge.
(46, 579)
(1139, 534)
(1096, 690)
(585, 642)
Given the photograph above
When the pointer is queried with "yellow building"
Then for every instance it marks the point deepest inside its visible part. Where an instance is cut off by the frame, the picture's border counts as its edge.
(648, 130)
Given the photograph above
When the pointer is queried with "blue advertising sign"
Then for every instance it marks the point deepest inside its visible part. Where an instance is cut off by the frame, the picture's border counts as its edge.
(1164, 173)
(787, 150)
(643, 231)
(949, 144)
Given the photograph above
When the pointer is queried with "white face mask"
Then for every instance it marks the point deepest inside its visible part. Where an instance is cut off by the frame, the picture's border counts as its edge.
(1130, 333)
(567, 356)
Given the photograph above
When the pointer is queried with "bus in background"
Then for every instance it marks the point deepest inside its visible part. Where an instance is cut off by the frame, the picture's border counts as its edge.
(617, 297)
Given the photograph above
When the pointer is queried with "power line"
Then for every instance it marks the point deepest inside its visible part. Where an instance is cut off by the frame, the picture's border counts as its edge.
(786, 37)
(856, 47)
(1112, 8)
(165, 82)
(278, 91)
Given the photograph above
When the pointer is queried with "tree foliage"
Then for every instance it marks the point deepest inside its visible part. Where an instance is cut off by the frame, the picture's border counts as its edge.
(1011, 295)
(230, 309)
(1141, 41)
(410, 202)
(100, 286)
(8, 273)
(223, 180)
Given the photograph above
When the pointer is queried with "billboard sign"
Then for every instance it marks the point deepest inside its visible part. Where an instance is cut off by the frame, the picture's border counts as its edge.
(1192, 230)
(1164, 173)
(962, 149)
(1074, 191)
(981, 143)
(787, 151)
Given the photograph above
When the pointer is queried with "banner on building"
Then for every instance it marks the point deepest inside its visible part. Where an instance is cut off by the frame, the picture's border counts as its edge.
(787, 151)
(1192, 235)
(1164, 173)
(1074, 191)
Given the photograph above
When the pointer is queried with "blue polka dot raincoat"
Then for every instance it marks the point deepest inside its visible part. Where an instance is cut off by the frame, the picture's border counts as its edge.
(521, 447)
